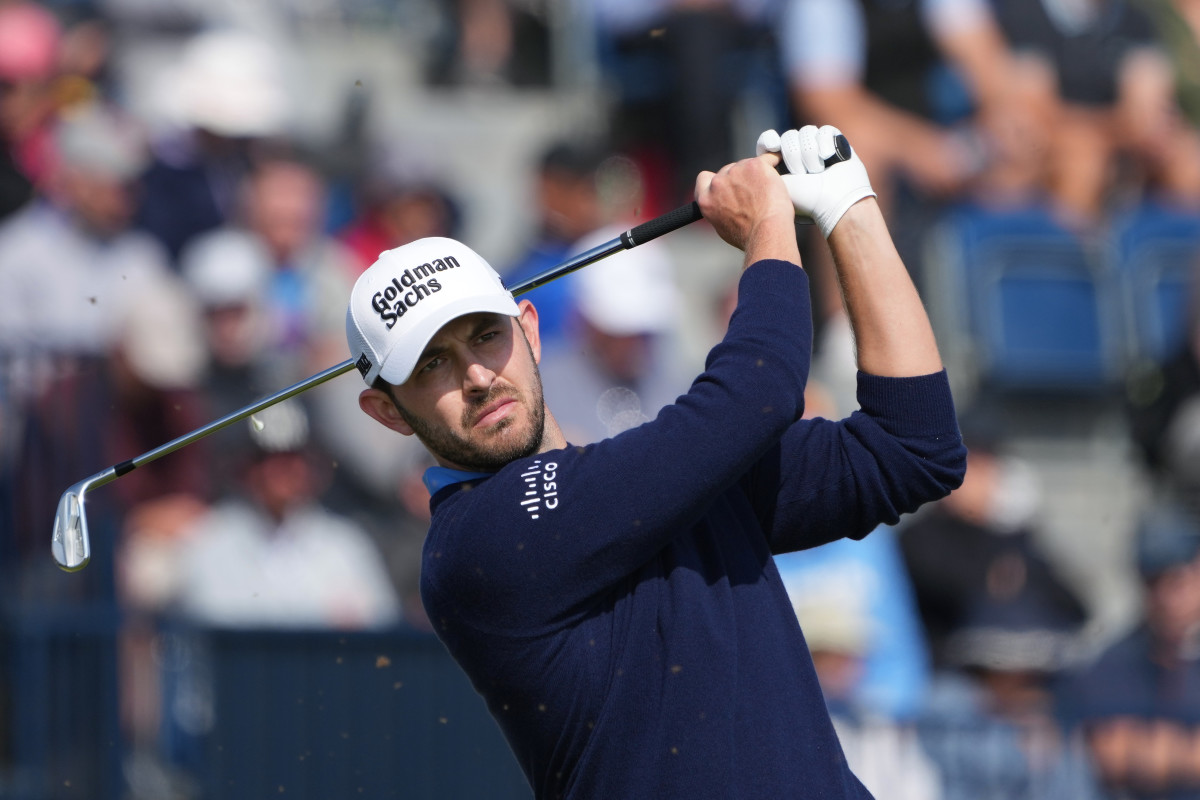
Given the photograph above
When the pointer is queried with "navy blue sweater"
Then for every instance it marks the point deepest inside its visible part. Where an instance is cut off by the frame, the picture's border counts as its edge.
(617, 605)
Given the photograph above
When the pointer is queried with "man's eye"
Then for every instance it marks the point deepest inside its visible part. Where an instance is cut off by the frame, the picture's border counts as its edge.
(433, 364)
(487, 337)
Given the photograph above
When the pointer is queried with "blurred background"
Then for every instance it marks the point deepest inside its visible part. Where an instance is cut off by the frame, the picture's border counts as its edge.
(189, 189)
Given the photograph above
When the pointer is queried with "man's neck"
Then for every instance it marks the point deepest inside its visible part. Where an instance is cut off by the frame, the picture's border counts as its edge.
(552, 435)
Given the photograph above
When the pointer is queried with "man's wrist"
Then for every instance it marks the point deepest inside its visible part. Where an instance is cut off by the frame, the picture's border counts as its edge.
(773, 238)
(830, 220)
(857, 215)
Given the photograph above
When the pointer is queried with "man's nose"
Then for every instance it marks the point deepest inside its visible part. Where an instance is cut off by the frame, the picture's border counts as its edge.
(477, 378)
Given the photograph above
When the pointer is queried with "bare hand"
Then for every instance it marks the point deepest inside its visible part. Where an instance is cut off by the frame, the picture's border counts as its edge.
(749, 207)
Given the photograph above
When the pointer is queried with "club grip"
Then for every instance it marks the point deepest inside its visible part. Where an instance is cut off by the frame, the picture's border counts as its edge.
(652, 229)
(841, 151)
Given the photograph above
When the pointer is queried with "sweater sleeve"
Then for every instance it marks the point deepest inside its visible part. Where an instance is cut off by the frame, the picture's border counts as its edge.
(829, 480)
(557, 529)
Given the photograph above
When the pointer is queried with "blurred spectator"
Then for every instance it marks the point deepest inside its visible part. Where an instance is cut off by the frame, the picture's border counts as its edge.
(927, 91)
(1138, 702)
(569, 206)
(225, 100)
(229, 275)
(1163, 402)
(399, 204)
(1119, 128)
(620, 361)
(274, 556)
(280, 223)
(85, 57)
(867, 578)
(283, 205)
(678, 70)
(990, 725)
(29, 39)
(980, 543)
(1178, 28)
(69, 263)
(884, 753)
(492, 43)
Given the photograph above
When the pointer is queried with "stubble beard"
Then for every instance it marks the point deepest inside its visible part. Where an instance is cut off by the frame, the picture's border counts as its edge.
(450, 446)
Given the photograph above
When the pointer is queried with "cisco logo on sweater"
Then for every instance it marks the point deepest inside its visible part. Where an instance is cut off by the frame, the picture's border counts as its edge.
(541, 488)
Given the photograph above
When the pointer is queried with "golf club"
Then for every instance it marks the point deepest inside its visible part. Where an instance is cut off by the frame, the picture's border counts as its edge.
(70, 543)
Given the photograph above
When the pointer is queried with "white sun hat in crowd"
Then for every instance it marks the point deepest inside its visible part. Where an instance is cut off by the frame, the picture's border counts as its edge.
(408, 294)
(627, 296)
(230, 82)
(227, 267)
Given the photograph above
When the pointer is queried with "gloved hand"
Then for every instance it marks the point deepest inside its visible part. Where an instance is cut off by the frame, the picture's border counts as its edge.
(824, 175)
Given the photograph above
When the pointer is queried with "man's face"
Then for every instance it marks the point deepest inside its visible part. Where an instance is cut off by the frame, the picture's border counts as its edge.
(1173, 602)
(103, 204)
(284, 207)
(475, 397)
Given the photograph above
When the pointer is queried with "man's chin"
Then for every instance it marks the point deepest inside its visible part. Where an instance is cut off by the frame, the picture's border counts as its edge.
(491, 450)
(501, 452)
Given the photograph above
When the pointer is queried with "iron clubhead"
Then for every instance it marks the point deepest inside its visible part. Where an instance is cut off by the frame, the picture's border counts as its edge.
(70, 544)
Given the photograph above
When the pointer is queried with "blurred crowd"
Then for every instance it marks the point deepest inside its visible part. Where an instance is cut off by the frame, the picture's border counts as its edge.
(175, 245)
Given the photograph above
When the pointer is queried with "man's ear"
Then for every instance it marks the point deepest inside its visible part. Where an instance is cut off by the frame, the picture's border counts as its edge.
(380, 407)
(528, 320)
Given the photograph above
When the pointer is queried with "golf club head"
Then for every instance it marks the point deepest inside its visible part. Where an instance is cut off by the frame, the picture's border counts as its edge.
(70, 545)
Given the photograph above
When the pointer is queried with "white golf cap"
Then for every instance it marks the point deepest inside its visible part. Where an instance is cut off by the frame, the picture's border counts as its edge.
(408, 294)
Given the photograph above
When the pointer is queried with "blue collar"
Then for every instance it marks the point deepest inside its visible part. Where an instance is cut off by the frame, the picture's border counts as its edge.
(438, 478)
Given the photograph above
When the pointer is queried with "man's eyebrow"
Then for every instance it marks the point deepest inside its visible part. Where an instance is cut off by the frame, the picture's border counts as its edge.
(431, 351)
(487, 321)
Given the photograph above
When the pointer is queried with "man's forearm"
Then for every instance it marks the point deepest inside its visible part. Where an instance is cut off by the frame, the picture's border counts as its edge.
(892, 333)
(773, 239)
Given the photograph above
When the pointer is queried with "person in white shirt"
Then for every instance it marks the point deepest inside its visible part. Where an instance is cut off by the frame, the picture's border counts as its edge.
(275, 557)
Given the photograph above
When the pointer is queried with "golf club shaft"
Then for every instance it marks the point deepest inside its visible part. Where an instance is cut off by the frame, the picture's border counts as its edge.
(216, 425)
(647, 231)
(628, 240)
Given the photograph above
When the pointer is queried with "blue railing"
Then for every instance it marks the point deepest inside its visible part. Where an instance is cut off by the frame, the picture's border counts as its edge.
(59, 679)
(251, 714)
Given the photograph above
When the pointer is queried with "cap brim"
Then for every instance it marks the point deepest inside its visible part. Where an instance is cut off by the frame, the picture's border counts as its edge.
(400, 361)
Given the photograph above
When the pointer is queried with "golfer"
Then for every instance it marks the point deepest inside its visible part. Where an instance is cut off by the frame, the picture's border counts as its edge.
(617, 605)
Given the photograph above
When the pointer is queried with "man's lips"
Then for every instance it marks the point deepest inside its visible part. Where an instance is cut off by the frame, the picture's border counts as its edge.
(495, 412)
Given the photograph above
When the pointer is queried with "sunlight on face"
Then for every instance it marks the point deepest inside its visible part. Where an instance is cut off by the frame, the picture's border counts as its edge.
(476, 423)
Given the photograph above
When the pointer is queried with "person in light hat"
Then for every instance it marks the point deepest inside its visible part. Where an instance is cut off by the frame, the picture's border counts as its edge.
(616, 604)
(621, 359)
(71, 261)
(222, 105)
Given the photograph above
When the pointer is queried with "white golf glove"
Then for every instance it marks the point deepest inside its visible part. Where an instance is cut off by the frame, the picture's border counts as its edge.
(824, 175)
